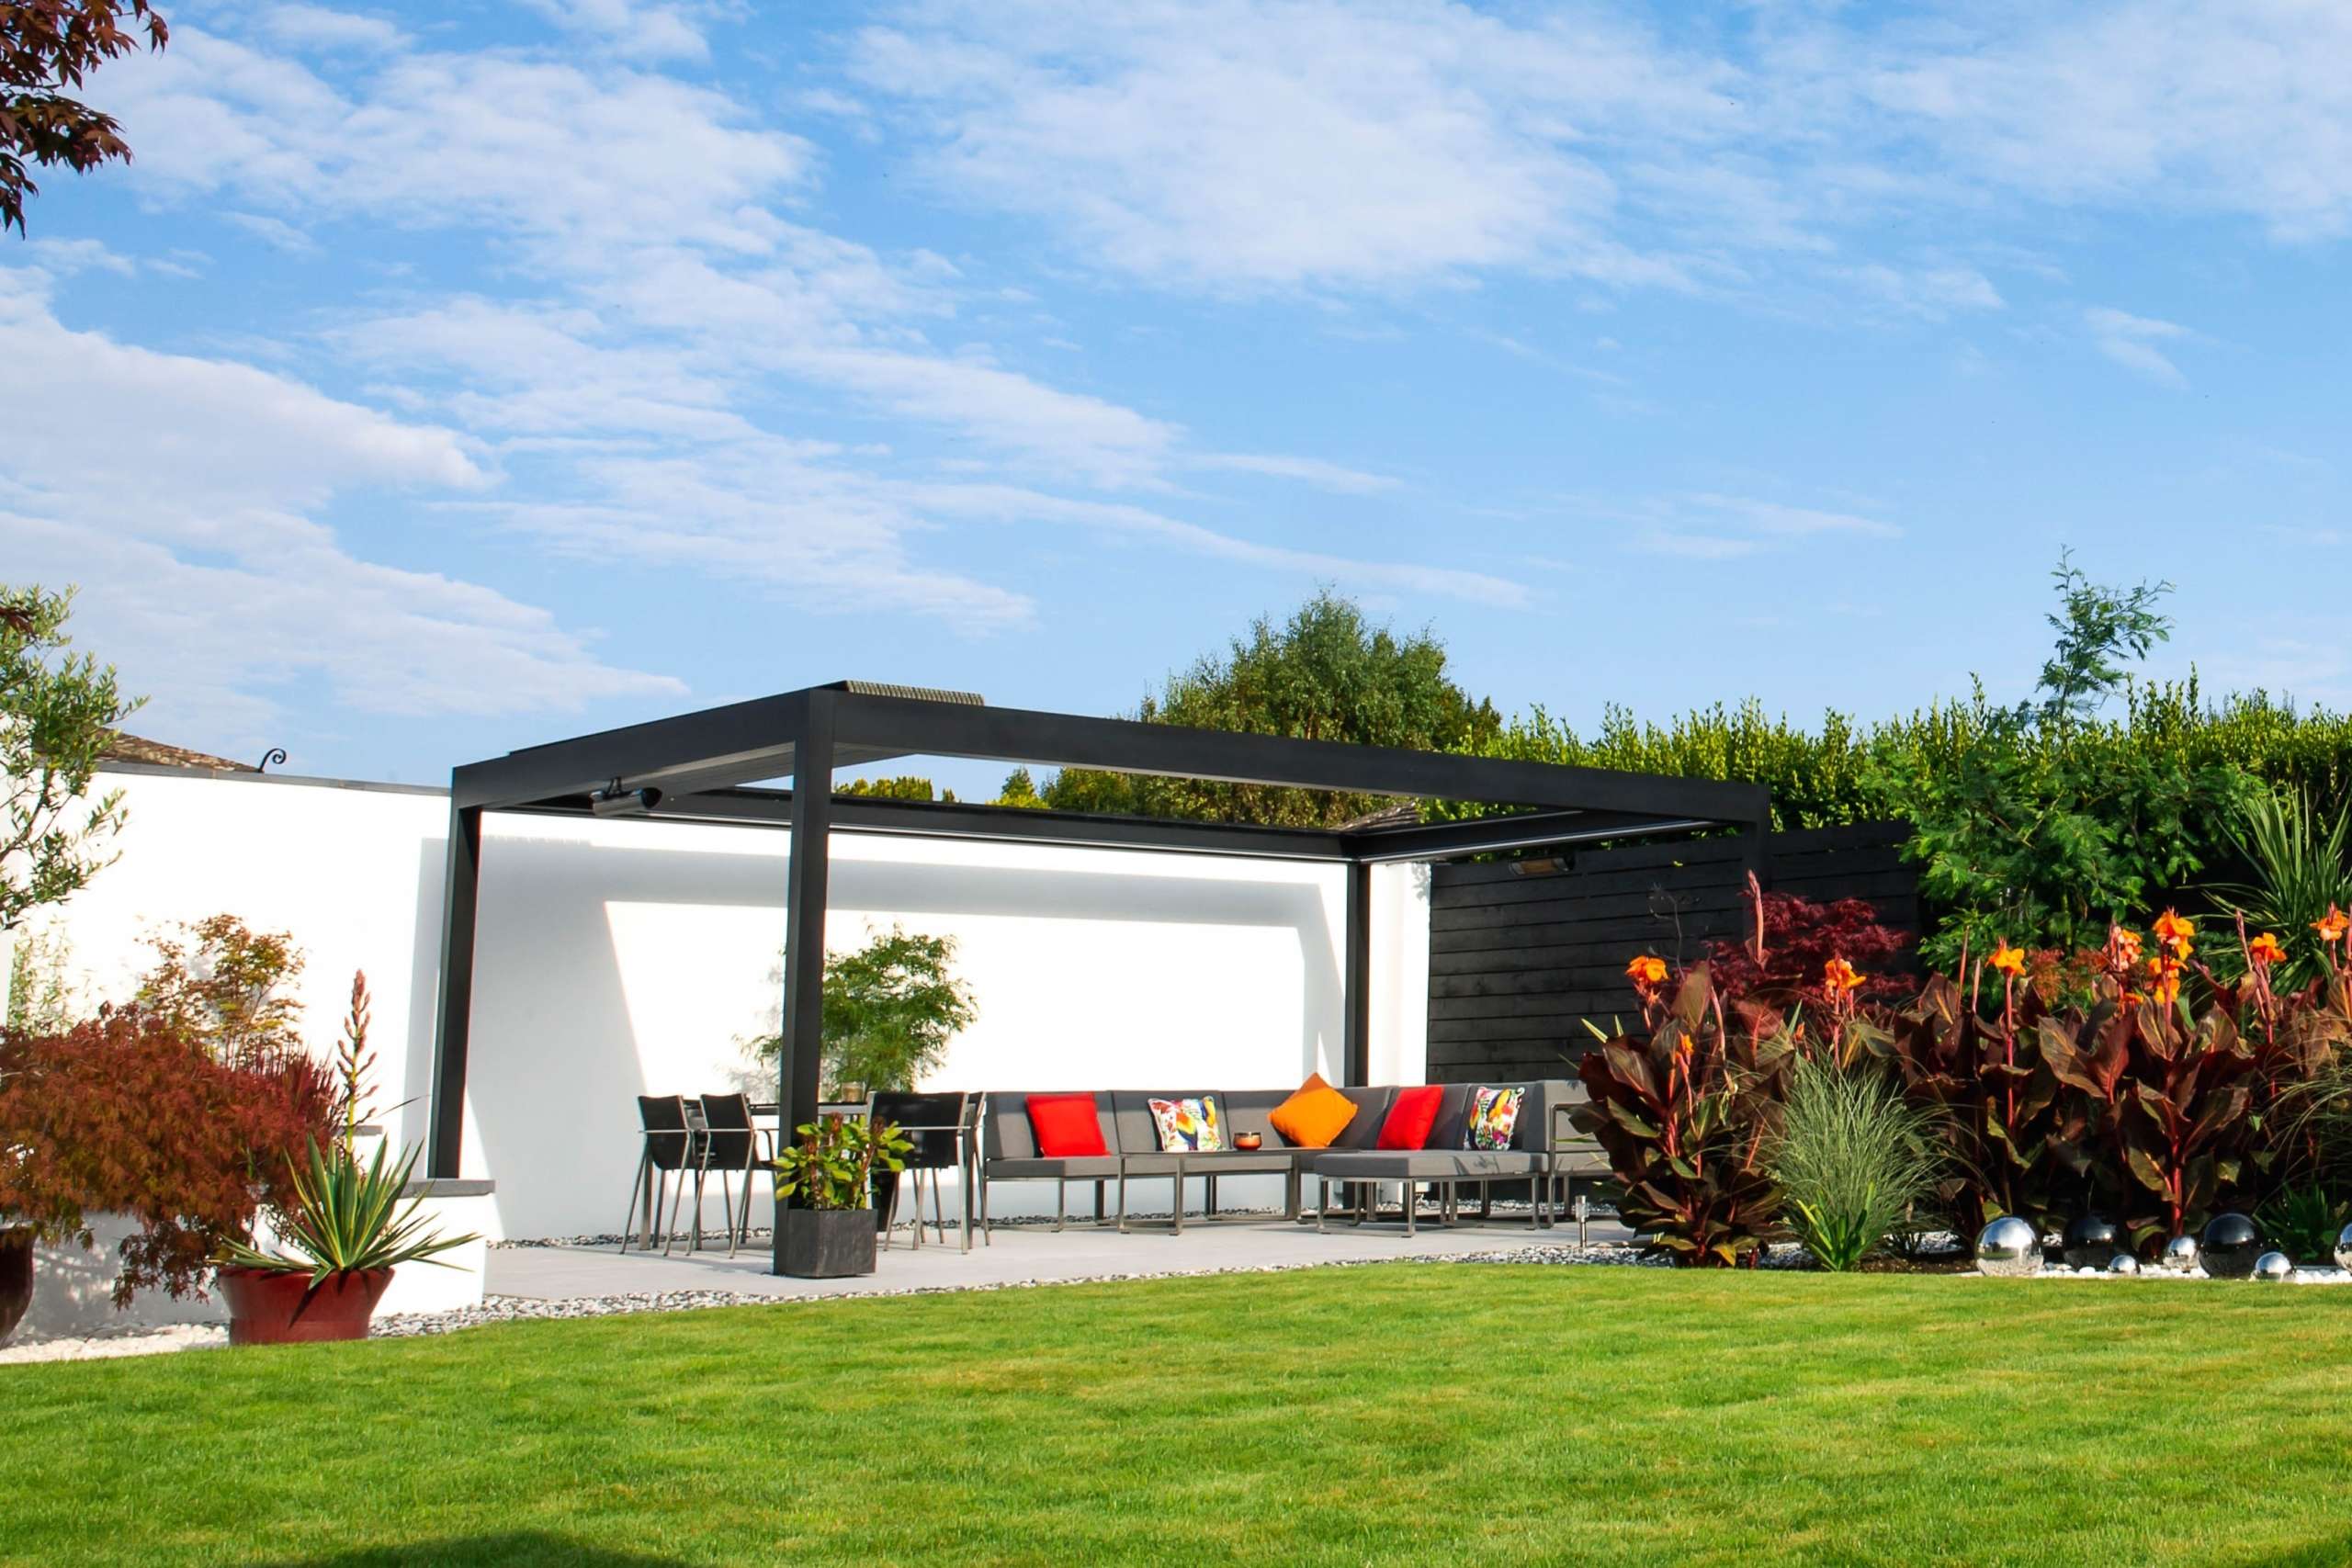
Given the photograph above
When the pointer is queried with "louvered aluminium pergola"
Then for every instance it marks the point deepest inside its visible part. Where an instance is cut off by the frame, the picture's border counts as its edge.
(709, 767)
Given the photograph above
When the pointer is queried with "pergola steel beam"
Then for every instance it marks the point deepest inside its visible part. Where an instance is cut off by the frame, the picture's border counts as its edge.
(1127, 746)
(1005, 824)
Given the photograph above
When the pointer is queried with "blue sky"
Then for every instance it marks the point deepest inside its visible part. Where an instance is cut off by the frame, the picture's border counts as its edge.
(445, 379)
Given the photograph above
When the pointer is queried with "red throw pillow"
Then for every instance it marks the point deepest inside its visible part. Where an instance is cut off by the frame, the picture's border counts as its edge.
(1066, 1126)
(1411, 1119)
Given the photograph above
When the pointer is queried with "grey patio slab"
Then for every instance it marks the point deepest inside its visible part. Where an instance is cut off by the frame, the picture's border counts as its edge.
(1020, 1256)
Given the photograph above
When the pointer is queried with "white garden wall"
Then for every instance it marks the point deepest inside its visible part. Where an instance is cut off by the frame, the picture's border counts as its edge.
(619, 958)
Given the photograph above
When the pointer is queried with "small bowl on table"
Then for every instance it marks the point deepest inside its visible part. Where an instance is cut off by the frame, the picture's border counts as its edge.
(1248, 1143)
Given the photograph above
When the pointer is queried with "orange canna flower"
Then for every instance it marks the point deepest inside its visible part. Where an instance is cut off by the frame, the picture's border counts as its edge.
(2008, 960)
(1838, 977)
(1647, 970)
(2265, 951)
(2332, 925)
(2175, 933)
(2164, 974)
(2126, 944)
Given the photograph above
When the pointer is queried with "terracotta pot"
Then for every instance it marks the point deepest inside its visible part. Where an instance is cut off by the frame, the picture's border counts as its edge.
(15, 1277)
(266, 1308)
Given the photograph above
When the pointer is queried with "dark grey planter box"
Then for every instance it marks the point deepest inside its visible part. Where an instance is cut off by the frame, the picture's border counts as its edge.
(828, 1244)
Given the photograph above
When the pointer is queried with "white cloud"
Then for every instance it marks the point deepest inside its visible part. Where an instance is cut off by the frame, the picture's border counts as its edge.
(1334, 477)
(1706, 525)
(275, 233)
(632, 29)
(325, 30)
(2162, 105)
(186, 515)
(1793, 522)
(2130, 341)
(1237, 144)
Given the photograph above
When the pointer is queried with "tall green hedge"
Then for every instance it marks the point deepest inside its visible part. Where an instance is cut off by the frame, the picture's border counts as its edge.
(1839, 771)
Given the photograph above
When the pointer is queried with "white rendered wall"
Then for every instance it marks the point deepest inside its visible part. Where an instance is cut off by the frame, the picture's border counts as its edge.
(616, 958)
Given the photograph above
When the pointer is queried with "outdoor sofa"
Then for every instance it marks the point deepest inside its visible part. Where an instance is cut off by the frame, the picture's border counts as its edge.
(1542, 1153)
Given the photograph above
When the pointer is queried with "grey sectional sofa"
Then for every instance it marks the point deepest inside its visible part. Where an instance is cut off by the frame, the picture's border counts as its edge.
(1539, 1158)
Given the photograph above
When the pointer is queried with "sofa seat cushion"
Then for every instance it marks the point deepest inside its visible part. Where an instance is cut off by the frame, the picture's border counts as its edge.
(1067, 1127)
(1224, 1162)
(1314, 1117)
(1425, 1165)
(1082, 1168)
(1410, 1117)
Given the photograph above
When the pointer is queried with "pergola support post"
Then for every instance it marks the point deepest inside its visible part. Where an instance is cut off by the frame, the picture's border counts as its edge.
(802, 1052)
(460, 894)
(1355, 1063)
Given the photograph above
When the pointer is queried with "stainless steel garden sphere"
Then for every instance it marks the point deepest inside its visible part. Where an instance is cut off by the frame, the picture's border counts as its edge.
(2009, 1247)
(2274, 1266)
(2090, 1240)
(2181, 1252)
(2344, 1247)
(2123, 1263)
(2230, 1244)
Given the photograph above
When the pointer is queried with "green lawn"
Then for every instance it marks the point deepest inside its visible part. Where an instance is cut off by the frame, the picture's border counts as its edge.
(1404, 1413)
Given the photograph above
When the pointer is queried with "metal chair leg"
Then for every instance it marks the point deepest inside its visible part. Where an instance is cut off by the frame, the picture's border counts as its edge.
(636, 1198)
(939, 1208)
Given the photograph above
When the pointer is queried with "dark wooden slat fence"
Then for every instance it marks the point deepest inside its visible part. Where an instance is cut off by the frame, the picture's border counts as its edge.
(1517, 964)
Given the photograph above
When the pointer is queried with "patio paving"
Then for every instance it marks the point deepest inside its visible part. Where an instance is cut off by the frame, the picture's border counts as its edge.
(1021, 1255)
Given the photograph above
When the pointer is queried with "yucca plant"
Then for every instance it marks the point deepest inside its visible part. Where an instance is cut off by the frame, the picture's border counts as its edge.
(347, 1220)
(2302, 868)
(1852, 1157)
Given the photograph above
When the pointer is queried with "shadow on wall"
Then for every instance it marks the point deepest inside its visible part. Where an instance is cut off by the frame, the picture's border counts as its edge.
(558, 1057)
(73, 1291)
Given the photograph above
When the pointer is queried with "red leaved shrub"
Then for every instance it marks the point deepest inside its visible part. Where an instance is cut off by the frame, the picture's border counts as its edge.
(1800, 937)
(124, 1113)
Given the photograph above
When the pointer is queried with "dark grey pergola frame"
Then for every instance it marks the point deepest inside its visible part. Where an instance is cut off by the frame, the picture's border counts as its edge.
(703, 763)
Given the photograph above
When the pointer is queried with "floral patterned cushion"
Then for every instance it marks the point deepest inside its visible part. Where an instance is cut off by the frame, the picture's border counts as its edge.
(1189, 1126)
(1494, 1113)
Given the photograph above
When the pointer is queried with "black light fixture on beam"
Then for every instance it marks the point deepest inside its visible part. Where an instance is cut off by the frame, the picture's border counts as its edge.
(614, 801)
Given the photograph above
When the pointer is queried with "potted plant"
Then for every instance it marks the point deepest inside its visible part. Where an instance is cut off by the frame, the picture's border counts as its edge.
(829, 1168)
(346, 1232)
(80, 1109)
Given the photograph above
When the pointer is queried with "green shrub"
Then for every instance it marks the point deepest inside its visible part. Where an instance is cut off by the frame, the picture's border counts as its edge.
(1852, 1156)
(2301, 862)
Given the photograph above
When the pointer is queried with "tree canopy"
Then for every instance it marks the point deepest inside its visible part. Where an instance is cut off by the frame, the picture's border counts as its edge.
(1326, 673)
(47, 48)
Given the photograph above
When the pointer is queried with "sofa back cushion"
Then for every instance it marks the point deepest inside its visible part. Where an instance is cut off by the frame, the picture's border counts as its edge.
(1066, 1126)
(1410, 1117)
(1315, 1116)
(1372, 1101)
(1193, 1124)
(1492, 1119)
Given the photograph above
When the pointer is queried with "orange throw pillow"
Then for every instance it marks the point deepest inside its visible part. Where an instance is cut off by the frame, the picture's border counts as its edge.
(1314, 1116)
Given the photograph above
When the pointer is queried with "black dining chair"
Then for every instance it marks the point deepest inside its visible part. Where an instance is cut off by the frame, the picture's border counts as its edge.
(672, 1147)
(732, 1144)
(938, 1125)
